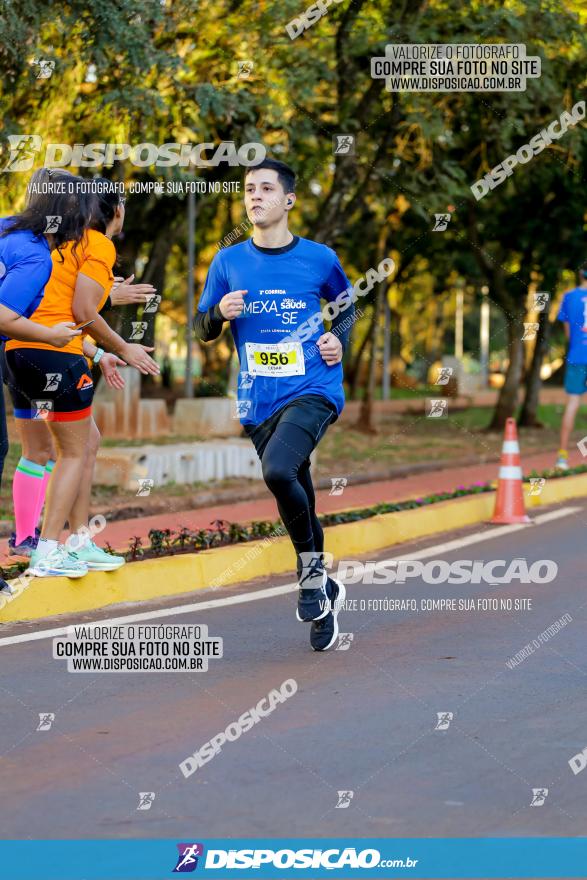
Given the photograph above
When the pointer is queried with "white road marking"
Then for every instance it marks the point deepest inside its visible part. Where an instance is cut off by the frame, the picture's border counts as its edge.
(487, 535)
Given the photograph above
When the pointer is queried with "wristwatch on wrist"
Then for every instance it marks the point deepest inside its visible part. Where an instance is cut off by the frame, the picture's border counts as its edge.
(98, 356)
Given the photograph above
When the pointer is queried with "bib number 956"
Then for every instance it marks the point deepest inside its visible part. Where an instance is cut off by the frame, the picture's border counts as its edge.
(278, 360)
(272, 358)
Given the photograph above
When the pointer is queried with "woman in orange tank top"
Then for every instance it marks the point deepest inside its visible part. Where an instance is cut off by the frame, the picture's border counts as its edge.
(56, 387)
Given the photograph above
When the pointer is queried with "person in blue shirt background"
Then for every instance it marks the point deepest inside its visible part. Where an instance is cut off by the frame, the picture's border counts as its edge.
(25, 251)
(270, 288)
(25, 262)
(573, 312)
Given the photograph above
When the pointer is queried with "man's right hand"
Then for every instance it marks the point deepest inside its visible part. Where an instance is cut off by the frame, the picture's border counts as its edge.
(61, 334)
(232, 305)
(135, 355)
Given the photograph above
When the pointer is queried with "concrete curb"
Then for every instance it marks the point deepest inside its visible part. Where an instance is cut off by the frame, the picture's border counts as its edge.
(181, 575)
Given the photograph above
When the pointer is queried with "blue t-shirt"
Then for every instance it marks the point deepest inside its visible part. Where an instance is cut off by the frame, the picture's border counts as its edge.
(25, 268)
(284, 291)
(574, 310)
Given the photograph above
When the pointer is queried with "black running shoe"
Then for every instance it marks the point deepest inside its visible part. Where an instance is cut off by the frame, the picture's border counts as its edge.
(312, 598)
(324, 632)
(25, 547)
(5, 588)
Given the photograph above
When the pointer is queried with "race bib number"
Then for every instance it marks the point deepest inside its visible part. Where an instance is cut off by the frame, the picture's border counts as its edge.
(280, 359)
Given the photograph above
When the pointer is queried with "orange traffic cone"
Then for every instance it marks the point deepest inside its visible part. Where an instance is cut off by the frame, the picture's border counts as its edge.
(509, 502)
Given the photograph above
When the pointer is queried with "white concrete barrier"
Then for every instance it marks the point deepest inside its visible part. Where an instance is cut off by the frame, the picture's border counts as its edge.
(177, 463)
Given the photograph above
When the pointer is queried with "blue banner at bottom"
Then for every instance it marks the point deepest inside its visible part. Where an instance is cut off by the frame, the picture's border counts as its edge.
(505, 858)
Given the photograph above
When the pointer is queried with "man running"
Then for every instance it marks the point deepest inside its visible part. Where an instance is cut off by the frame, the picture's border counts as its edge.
(573, 312)
(290, 382)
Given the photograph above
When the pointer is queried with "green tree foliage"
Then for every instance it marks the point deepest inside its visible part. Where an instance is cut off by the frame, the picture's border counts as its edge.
(168, 70)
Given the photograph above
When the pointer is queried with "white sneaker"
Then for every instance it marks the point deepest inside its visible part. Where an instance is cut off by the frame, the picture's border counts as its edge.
(57, 563)
(562, 463)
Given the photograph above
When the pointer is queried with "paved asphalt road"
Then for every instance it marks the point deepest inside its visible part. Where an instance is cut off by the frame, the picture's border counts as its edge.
(362, 720)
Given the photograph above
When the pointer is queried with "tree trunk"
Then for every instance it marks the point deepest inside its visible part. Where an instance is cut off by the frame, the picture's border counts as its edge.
(365, 420)
(528, 416)
(508, 396)
(354, 370)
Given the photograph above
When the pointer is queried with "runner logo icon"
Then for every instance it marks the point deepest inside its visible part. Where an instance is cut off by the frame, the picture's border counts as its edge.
(244, 69)
(343, 144)
(539, 795)
(53, 380)
(53, 222)
(444, 375)
(45, 66)
(540, 300)
(146, 799)
(46, 719)
(42, 409)
(437, 409)
(338, 485)
(530, 330)
(441, 222)
(344, 800)
(23, 151)
(536, 485)
(145, 486)
(444, 719)
(187, 860)
(152, 303)
(138, 330)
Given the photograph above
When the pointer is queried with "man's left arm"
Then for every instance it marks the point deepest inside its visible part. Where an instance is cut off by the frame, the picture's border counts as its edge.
(333, 344)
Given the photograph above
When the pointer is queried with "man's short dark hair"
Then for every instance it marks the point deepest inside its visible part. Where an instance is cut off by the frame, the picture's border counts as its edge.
(583, 271)
(285, 174)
